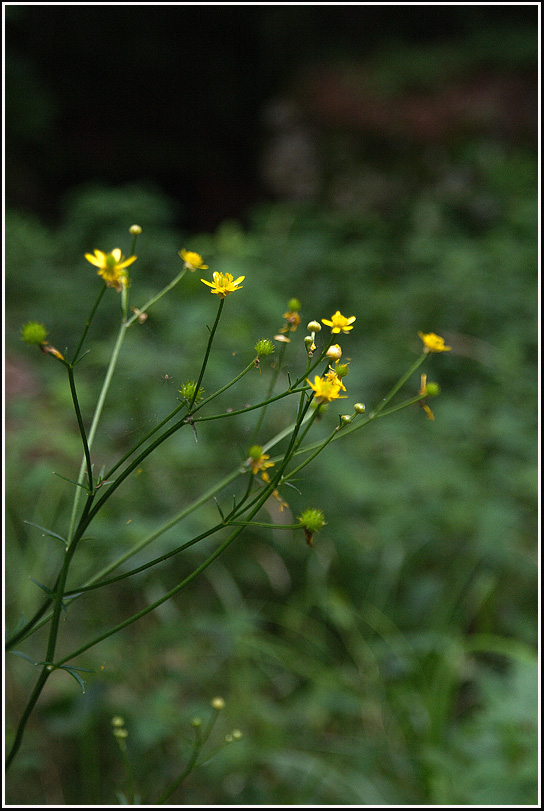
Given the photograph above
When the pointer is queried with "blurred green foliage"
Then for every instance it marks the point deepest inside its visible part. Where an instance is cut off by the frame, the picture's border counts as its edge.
(395, 662)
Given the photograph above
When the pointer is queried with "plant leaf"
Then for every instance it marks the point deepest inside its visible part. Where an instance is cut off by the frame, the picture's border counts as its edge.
(24, 656)
(47, 532)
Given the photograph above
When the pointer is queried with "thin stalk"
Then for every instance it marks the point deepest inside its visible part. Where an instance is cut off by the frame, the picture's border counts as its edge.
(197, 746)
(268, 394)
(207, 353)
(254, 508)
(150, 564)
(50, 653)
(88, 324)
(154, 299)
(97, 414)
(86, 450)
(42, 678)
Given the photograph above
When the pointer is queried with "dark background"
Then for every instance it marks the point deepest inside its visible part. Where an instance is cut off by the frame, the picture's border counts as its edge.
(178, 95)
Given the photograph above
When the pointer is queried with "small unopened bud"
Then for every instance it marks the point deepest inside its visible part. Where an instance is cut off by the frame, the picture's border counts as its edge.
(334, 352)
(196, 722)
(293, 304)
(218, 703)
(359, 408)
(135, 230)
(346, 418)
(117, 721)
(237, 734)
(314, 326)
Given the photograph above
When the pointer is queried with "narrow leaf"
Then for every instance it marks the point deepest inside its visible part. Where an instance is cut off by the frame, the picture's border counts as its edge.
(24, 656)
(20, 624)
(47, 532)
(83, 486)
(75, 676)
(44, 588)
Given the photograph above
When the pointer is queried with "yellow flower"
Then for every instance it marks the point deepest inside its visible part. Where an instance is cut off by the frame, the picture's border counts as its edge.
(326, 390)
(433, 343)
(257, 462)
(332, 377)
(339, 322)
(111, 266)
(292, 320)
(193, 261)
(223, 283)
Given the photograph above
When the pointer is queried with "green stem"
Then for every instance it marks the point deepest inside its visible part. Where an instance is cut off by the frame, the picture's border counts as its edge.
(42, 678)
(97, 414)
(159, 295)
(207, 353)
(256, 506)
(151, 563)
(86, 450)
(50, 653)
(197, 746)
(88, 324)
(268, 394)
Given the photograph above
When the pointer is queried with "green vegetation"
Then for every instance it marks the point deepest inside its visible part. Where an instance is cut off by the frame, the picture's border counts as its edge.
(393, 663)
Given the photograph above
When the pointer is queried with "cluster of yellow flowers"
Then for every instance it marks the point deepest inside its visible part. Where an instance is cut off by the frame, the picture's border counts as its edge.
(112, 267)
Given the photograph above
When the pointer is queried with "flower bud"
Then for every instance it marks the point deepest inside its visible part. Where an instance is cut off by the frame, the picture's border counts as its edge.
(117, 721)
(218, 703)
(359, 408)
(294, 304)
(334, 352)
(135, 230)
(314, 326)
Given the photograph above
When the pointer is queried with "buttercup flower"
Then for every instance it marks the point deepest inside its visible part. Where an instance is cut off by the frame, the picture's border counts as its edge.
(333, 377)
(339, 322)
(111, 266)
(223, 284)
(433, 343)
(326, 390)
(193, 261)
